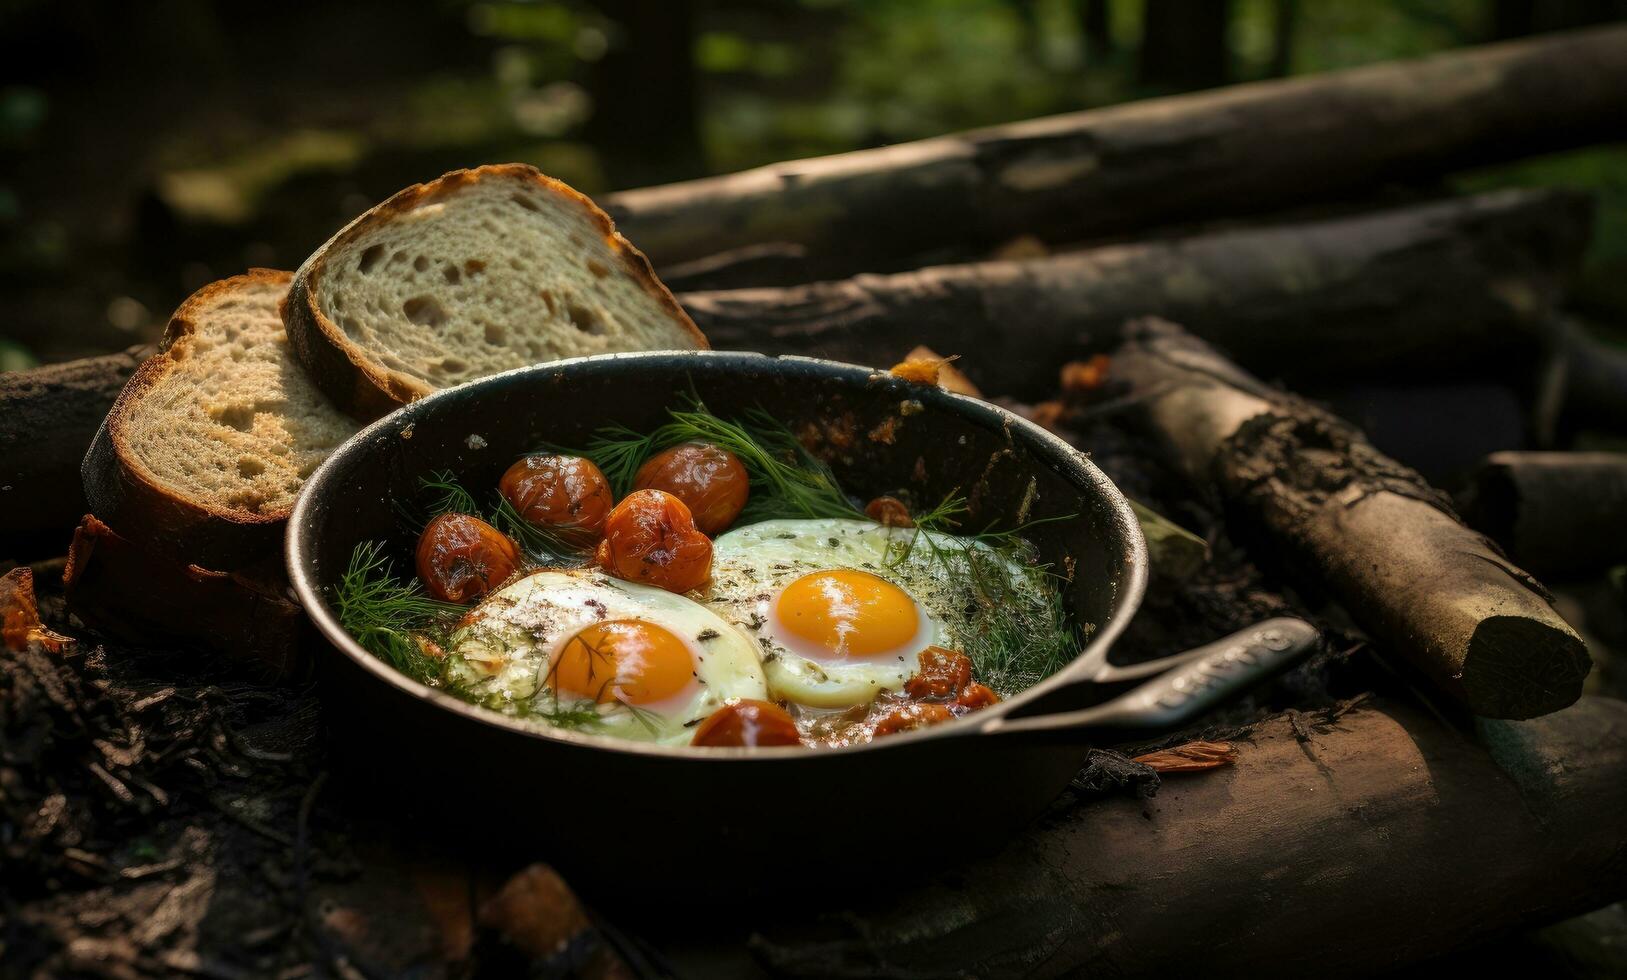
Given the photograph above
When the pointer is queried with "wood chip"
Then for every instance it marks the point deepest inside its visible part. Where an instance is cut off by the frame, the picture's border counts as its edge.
(1190, 757)
(537, 914)
(1079, 377)
(20, 614)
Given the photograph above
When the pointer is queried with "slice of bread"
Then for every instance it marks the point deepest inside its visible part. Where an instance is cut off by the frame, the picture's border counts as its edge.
(477, 272)
(206, 448)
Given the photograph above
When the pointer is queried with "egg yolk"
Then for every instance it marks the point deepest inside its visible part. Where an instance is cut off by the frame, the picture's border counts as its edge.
(624, 660)
(848, 612)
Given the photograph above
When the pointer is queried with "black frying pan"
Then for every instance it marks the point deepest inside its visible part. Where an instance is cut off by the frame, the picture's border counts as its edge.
(696, 814)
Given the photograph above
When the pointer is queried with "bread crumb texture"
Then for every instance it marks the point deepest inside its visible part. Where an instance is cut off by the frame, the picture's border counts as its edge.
(490, 275)
(234, 423)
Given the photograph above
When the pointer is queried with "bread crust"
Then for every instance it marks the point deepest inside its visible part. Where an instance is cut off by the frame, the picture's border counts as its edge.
(125, 590)
(121, 492)
(345, 373)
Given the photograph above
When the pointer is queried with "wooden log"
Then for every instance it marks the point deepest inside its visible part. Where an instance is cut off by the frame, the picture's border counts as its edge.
(48, 415)
(1590, 378)
(1384, 838)
(1556, 513)
(1238, 150)
(1414, 288)
(1365, 528)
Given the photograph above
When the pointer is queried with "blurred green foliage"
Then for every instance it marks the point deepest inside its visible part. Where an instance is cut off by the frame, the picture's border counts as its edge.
(154, 153)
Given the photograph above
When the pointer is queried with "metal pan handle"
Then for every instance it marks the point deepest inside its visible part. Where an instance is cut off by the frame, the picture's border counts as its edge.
(1202, 678)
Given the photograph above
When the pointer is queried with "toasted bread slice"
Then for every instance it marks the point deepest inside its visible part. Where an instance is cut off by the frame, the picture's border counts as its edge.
(477, 272)
(207, 447)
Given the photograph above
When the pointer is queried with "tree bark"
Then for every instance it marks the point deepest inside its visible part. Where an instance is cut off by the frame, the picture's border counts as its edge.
(1363, 527)
(1411, 289)
(1243, 149)
(1378, 839)
(1557, 513)
(48, 415)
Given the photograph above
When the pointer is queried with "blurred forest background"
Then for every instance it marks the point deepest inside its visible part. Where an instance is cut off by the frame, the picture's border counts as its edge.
(150, 147)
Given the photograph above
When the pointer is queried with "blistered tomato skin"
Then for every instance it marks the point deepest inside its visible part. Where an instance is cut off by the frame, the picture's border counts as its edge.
(650, 537)
(710, 480)
(889, 512)
(566, 495)
(747, 722)
(461, 558)
(943, 673)
(912, 716)
(973, 697)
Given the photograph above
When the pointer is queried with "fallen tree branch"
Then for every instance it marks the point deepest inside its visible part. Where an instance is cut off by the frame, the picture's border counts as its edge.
(1230, 151)
(1385, 838)
(1415, 286)
(1360, 525)
(1558, 513)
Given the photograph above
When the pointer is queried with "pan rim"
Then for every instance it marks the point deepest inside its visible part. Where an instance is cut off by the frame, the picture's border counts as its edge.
(1051, 451)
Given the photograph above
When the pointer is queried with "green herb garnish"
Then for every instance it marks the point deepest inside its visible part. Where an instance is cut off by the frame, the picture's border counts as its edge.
(786, 479)
(1024, 635)
(388, 617)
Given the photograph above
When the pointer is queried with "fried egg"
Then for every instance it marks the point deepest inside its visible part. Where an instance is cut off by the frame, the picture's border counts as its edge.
(614, 657)
(841, 609)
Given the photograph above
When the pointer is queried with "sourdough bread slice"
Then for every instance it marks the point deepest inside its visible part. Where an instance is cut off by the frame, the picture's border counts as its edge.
(207, 447)
(477, 272)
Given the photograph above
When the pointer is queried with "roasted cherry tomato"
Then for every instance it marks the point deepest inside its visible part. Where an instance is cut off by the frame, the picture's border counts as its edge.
(889, 512)
(943, 673)
(709, 479)
(912, 716)
(747, 722)
(650, 537)
(461, 558)
(566, 495)
(975, 696)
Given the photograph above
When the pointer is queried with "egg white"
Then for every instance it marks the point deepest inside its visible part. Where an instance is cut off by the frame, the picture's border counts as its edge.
(503, 649)
(750, 565)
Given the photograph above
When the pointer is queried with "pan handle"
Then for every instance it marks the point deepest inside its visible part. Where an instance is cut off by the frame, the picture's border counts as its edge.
(1203, 678)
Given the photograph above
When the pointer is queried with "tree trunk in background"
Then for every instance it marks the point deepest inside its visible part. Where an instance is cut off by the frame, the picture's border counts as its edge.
(1284, 14)
(1512, 18)
(1096, 27)
(1185, 44)
(1129, 167)
(645, 93)
(1517, 18)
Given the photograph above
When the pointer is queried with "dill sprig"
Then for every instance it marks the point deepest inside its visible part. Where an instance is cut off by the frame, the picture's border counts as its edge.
(388, 617)
(443, 493)
(618, 452)
(447, 495)
(786, 480)
(541, 544)
(1023, 633)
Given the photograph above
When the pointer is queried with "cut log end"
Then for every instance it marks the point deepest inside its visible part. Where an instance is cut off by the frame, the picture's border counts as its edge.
(1516, 667)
